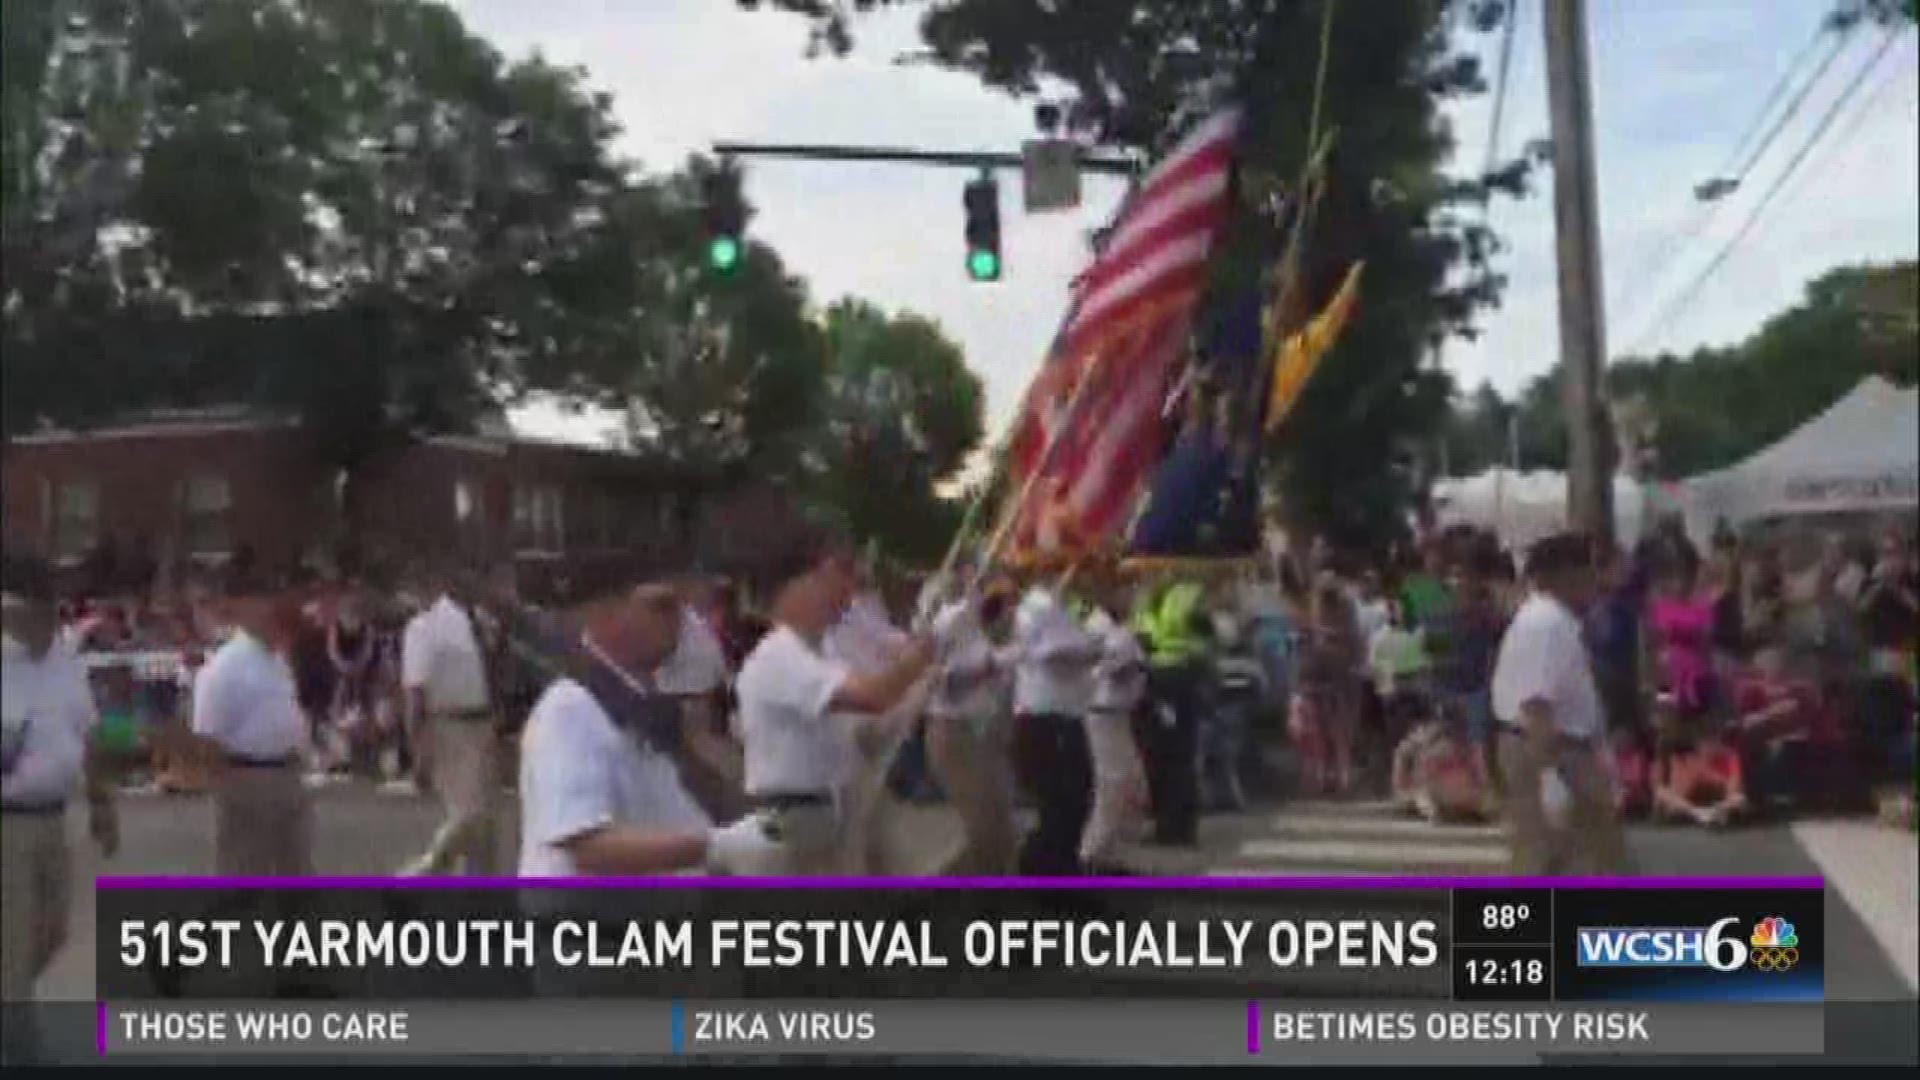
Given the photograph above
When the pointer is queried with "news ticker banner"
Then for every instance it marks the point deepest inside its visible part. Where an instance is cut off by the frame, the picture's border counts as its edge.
(1140, 1031)
(890, 967)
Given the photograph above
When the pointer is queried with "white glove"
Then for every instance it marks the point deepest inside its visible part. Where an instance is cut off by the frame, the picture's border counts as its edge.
(927, 605)
(745, 848)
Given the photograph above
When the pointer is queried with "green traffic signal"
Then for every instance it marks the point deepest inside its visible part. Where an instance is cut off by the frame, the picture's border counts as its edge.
(724, 253)
(983, 265)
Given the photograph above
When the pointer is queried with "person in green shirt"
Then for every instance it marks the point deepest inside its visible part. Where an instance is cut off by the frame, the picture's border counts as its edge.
(1424, 592)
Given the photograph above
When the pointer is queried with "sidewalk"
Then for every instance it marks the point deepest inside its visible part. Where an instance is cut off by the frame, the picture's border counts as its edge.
(1874, 867)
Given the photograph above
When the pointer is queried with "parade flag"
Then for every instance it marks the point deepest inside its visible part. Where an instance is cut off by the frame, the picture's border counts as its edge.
(1204, 498)
(1300, 354)
(1092, 424)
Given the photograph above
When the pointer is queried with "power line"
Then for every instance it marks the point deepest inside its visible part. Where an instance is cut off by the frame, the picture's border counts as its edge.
(1706, 207)
(1779, 87)
(1766, 200)
(1512, 17)
(1868, 106)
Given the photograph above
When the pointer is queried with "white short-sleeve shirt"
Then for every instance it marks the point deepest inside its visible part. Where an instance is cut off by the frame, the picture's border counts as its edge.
(1544, 656)
(579, 772)
(47, 710)
(792, 744)
(1120, 677)
(244, 699)
(1054, 670)
(970, 683)
(697, 665)
(440, 654)
(864, 639)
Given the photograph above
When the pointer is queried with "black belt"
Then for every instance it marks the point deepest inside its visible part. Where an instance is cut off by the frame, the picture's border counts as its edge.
(48, 809)
(242, 761)
(793, 800)
(464, 717)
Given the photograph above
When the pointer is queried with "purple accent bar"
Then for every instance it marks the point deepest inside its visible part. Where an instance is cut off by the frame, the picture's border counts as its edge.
(100, 1027)
(1253, 1027)
(184, 882)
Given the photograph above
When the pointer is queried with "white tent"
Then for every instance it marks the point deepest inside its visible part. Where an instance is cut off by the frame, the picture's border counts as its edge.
(1521, 508)
(1860, 456)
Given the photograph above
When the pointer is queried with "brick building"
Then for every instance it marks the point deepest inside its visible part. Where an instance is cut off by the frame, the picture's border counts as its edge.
(208, 488)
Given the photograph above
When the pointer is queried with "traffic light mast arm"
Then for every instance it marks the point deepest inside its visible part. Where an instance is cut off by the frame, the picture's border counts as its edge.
(957, 159)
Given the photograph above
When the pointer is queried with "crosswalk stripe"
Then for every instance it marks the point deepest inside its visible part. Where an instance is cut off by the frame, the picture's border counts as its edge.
(1408, 828)
(1391, 853)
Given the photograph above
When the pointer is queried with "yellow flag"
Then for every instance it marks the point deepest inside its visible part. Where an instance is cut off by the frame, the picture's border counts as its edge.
(1295, 359)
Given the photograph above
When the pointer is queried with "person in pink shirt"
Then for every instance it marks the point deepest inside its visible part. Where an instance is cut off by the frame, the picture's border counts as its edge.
(1680, 625)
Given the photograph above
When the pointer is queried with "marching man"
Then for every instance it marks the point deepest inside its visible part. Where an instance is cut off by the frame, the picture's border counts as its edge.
(1053, 688)
(1120, 685)
(444, 673)
(46, 750)
(966, 735)
(600, 788)
(800, 755)
(246, 705)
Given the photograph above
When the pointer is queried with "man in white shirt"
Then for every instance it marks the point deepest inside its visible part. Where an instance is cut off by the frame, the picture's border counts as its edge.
(1550, 718)
(444, 673)
(968, 732)
(695, 676)
(799, 754)
(1053, 687)
(246, 705)
(1120, 685)
(599, 794)
(48, 720)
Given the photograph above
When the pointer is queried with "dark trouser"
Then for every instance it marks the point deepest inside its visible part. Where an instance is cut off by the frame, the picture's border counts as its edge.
(1168, 731)
(1223, 742)
(1774, 772)
(1055, 766)
(1885, 728)
(1619, 687)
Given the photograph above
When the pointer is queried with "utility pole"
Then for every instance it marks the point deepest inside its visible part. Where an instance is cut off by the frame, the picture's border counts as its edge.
(1576, 218)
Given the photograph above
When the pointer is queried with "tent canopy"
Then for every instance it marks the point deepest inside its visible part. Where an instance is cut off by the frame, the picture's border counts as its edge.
(1861, 455)
(1522, 507)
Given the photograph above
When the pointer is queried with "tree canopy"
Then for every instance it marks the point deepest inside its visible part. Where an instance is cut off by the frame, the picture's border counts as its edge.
(357, 210)
(903, 414)
(1716, 406)
(361, 214)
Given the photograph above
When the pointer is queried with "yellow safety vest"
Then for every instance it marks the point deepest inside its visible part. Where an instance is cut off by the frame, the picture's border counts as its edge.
(1167, 622)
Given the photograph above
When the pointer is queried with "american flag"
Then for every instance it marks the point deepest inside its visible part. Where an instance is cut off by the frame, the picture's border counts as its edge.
(1125, 337)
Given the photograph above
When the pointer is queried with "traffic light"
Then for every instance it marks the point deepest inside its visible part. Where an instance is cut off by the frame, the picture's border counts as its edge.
(725, 214)
(983, 229)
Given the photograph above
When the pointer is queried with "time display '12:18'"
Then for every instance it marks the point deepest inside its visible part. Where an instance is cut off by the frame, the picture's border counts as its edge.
(1517, 971)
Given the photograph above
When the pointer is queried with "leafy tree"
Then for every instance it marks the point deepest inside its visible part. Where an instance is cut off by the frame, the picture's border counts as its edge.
(902, 415)
(1476, 432)
(1132, 73)
(720, 375)
(354, 210)
(1716, 406)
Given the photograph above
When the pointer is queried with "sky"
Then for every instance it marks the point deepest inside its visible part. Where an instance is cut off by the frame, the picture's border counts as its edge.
(1676, 85)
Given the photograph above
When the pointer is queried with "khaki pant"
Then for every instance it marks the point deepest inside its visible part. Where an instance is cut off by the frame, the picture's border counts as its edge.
(34, 892)
(813, 842)
(1591, 841)
(1119, 780)
(464, 760)
(971, 765)
(263, 823)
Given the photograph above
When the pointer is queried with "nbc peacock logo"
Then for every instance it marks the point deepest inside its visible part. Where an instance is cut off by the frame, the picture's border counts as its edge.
(1775, 945)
